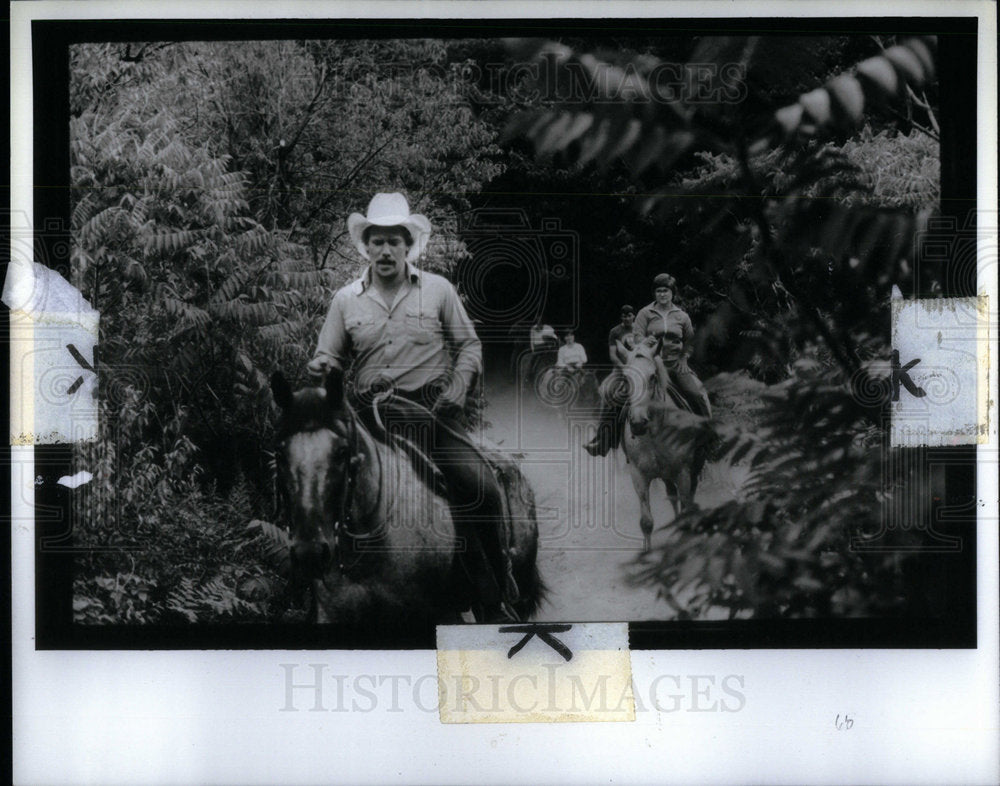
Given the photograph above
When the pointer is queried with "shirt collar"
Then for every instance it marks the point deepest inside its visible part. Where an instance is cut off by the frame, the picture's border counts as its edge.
(365, 281)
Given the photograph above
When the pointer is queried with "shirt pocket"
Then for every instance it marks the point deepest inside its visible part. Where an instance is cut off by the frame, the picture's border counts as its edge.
(361, 328)
(422, 325)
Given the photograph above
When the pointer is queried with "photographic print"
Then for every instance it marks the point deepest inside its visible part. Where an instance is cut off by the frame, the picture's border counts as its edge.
(502, 399)
(601, 320)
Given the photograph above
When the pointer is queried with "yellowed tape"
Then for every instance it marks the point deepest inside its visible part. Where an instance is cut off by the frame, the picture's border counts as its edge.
(941, 370)
(588, 679)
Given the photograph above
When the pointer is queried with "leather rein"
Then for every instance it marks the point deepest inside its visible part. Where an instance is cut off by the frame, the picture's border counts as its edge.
(342, 523)
(665, 390)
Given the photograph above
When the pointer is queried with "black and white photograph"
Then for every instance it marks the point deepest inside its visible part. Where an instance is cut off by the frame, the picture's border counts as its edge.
(404, 323)
(402, 331)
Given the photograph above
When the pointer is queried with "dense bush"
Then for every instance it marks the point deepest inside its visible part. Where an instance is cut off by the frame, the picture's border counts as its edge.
(210, 186)
(210, 183)
(796, 220)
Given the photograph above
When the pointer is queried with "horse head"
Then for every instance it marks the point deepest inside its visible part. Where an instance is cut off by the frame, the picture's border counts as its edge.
(313, 461)
(644, 376)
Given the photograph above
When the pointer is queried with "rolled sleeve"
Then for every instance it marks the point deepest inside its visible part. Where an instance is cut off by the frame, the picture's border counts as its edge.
(687, 334)
(461, 334)
(334, 341)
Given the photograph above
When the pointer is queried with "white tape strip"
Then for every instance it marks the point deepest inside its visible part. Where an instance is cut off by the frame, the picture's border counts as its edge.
(940, 372)
(53, 332)
(535, 673)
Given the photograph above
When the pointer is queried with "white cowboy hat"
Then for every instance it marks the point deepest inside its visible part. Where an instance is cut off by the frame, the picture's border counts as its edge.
(390, 210)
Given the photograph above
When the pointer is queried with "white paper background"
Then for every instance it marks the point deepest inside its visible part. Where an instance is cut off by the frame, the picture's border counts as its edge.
(214, 717)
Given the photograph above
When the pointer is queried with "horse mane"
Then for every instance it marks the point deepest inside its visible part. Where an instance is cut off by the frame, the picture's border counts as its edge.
(665, 391)
(310, 411)
(651, 352)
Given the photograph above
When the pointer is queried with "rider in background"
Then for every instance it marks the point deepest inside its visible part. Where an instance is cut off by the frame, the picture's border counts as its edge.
(543, 342)
(663, 319)
(621, 332)
(612, 395)
(571, 356)
(542, 337)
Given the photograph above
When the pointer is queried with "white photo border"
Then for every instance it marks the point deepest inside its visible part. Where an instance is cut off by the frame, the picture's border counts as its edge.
(917, 716)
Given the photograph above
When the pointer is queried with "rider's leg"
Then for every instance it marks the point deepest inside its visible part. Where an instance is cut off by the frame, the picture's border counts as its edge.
(605, 438)
(474, 498)
(608, 427)
(692, 389)
(477, 509)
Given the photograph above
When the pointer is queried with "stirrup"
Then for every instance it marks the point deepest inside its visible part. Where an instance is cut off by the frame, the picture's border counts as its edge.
(596, 447)
(512, 592)
(502, 614)
(507, 610)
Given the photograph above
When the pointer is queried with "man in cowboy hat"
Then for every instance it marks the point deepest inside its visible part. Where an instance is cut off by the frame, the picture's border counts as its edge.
(613, 394)
(663, 319)
(406, 331)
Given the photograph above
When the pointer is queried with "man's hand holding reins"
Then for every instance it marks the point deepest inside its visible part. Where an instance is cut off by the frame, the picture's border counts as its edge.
(316, 370)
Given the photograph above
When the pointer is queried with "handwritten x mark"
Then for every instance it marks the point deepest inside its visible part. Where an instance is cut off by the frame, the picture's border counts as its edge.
(544, 632)
(900, 375)
(79, 358)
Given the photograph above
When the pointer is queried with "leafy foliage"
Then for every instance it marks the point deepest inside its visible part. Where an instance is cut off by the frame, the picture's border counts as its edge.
(211, 181)
(210, 185)
(789, 546)
(794, 227)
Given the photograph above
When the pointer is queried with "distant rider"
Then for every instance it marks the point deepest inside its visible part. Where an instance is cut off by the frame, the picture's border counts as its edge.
(613, 394)
(571, 356)
(663, 319)
(542, 337)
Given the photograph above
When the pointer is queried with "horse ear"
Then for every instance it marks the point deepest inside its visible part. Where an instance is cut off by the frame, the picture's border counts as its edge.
(334, 388)
(281, 390)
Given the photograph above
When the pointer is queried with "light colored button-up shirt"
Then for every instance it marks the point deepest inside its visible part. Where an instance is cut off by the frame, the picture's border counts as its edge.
(654, 321)
(571, 353)
(424, 334)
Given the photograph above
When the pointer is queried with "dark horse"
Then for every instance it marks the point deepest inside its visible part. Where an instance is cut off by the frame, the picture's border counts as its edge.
(371, 529)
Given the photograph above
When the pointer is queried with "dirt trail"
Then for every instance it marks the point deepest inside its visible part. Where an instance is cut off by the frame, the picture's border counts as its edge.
(587, 509)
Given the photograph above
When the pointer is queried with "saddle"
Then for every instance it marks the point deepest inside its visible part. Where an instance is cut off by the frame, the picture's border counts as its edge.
(503, 469)
(681, 400)
(423, 464)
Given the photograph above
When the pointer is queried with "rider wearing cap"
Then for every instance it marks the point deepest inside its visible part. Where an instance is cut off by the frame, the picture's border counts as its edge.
(406, 331)
(663, 319)
(612, 392)
(622, 332)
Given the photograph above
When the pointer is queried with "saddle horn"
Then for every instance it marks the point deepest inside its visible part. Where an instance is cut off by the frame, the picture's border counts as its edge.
(281, 390)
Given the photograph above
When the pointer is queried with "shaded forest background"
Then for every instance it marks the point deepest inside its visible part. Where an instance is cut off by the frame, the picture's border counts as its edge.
(211, 182)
